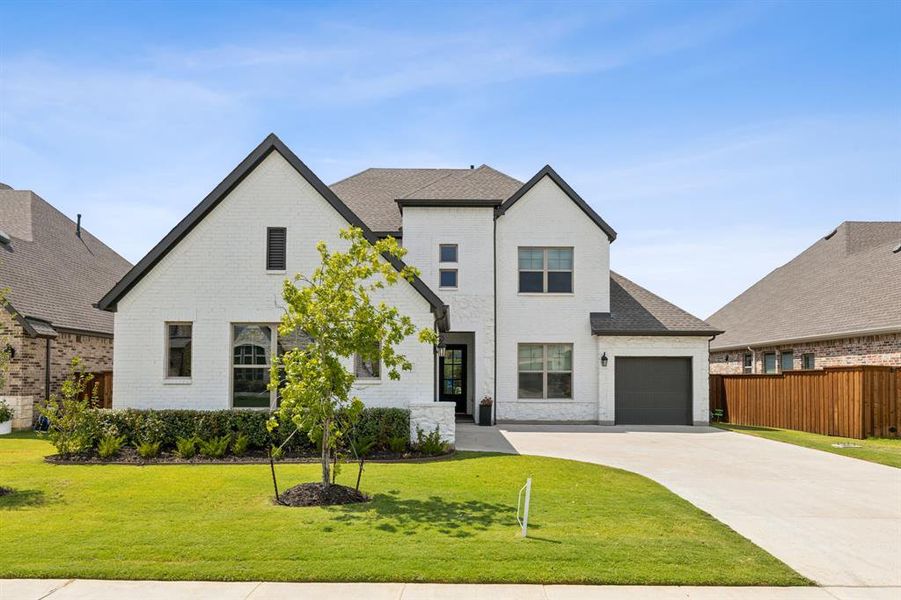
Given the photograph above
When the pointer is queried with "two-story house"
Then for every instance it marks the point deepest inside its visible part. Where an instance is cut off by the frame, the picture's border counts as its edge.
(515, 277)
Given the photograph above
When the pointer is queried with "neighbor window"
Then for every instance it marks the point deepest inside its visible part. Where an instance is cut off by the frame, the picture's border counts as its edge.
(447, 278)
(769, 362)
(178, 349)
(545, 270)
(545, 370)
(787, 361)
(251, 359)
(748, 364)
(447, 253)
(808, 361)
(276, 248)
(366, 368)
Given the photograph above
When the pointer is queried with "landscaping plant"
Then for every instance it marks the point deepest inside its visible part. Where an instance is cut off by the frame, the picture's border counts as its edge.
(6, 413)
(214, 447)
(334, 307)
(148, 449)
(186, 447)
(241, 445)
(71, 428)
(397, 444)
(110, 445)
(431, 443)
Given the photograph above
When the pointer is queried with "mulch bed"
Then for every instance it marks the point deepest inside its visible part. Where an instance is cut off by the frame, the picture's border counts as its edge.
(316, 494)
(129, 456)
(5, 491)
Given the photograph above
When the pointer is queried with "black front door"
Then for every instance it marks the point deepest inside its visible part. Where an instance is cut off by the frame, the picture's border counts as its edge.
(452, 376)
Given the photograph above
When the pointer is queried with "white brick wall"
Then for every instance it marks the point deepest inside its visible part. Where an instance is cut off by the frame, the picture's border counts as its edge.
(545, 216)
(426, 416)
(694, 347)
(216, 276)
(472, 303)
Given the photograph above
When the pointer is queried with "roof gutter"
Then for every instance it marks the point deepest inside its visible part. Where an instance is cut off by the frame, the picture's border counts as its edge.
(838, 335)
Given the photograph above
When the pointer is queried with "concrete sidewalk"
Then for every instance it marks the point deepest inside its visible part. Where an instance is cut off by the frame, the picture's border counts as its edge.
(87, 589)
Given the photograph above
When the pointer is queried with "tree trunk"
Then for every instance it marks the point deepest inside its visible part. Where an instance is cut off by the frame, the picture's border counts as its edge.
(326, 455)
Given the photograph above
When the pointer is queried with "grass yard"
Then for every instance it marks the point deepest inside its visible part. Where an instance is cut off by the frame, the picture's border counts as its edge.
(878, 450)
(446, 521)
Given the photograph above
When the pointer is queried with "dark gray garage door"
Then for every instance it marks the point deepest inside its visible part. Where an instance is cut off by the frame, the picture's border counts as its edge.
(653, 391)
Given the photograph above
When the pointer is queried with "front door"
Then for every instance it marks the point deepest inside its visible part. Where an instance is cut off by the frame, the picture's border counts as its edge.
(452, 376)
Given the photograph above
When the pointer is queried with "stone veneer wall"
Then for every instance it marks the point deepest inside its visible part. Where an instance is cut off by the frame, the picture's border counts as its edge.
(428, 415)
(25, 380)
(884, 350)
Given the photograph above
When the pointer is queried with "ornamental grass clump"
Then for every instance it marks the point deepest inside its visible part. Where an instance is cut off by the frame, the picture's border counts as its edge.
(216, 447)
(110, 445)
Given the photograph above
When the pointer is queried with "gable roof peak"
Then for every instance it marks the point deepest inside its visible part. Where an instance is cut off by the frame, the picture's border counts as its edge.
(548, 171)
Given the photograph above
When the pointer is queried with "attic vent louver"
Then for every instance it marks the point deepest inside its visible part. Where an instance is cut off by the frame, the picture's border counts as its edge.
(4, 238)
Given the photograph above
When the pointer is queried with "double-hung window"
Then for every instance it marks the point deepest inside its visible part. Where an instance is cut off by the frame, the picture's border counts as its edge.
(545, 371)
(545, 270)
(178, 350)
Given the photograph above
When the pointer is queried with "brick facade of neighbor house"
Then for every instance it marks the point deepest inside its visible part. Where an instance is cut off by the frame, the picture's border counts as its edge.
(882, 350)
(26, 383)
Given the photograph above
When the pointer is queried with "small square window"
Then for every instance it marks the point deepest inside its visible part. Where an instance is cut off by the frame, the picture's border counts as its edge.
(447, 253)
(447, 278)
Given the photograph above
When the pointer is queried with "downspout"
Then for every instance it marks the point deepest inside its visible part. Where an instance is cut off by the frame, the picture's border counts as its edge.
(494, 272)
(47, 371)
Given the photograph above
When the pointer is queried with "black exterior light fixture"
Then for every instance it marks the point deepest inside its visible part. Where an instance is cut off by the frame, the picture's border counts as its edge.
(604, 359)
(10, 351)
(440, 347)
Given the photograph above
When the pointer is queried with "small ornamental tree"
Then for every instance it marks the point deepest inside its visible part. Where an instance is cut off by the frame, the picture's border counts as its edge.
(333, 308)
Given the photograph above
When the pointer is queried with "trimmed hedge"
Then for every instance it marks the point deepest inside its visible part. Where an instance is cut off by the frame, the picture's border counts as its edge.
(165, 426)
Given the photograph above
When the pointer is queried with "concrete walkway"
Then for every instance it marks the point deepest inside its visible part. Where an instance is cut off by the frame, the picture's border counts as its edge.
(86, 589)
(835, 520)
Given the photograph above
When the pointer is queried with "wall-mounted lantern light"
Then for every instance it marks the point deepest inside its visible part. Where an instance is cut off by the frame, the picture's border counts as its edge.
(604, 359)
(10, 351)
(440, 347)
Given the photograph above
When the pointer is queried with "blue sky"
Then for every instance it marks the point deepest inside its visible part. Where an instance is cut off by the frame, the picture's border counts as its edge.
(718, 139)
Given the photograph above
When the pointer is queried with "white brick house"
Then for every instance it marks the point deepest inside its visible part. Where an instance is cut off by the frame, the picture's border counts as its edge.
(515, 277)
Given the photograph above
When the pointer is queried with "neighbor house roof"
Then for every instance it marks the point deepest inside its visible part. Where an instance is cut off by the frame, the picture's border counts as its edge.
(376, 195)
(636, 311)
(271, 144)
(846, 284)
(53, 277)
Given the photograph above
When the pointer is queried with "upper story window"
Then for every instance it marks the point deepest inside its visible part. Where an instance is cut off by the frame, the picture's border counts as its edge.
(786, 360)
(276, 248)
(447, 278)
(545, 270)
(178, 350)
(748, 363)
(447, 253)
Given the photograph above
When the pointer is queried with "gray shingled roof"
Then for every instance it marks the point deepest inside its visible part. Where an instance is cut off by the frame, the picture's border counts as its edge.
(372, 194)
(636, 311)
(52, 274)
(846, 283)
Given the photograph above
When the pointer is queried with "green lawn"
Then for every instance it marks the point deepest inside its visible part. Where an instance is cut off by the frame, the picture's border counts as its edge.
(878, 450)
(450, 520)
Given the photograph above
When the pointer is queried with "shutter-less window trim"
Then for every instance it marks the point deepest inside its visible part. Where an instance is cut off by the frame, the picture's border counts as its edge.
(276, 248)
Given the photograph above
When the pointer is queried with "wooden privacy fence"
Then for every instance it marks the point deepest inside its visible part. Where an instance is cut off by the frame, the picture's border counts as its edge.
(854, 402)
(102, 385)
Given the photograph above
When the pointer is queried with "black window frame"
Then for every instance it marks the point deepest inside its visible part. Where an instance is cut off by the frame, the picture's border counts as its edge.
(186, 350)
(278, 262)
(546, 271)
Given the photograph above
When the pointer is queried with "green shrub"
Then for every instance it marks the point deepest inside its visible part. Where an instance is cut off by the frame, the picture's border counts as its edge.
(215, 447)
(186, 447)
(6, 413)
(148, 449)
(73, 425)
(398, 443)
(241, 445)
(110, 445)
(430, 444)
(361, 446)
(382, 424)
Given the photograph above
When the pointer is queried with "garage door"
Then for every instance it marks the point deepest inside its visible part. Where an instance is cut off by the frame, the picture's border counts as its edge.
(653, 391)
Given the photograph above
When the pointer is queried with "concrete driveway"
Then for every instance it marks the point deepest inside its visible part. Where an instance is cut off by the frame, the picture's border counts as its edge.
(835, 520)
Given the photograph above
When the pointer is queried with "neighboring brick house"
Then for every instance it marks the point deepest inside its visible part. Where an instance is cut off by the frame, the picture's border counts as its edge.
(836, 304)
(53, 273)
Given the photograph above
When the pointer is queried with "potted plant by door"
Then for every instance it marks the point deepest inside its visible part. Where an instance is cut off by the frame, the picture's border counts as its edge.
(485, 410)
(6, 418)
